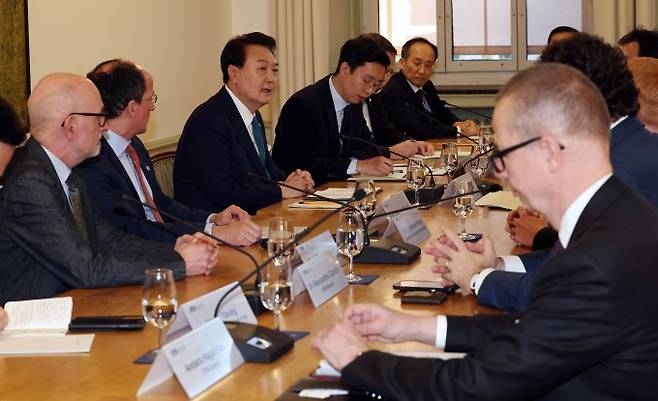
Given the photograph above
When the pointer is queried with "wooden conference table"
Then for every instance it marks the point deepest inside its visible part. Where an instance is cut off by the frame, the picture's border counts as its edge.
(108, 371)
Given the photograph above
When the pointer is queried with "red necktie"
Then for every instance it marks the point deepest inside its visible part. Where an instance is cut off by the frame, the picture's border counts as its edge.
(142, 182)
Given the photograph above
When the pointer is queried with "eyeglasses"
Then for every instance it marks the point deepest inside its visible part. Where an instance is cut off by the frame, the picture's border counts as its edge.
(497, 155)
(102, 117)
(154, 98)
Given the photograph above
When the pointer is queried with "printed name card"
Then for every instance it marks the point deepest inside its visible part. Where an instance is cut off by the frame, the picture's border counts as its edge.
(234, 308)
(323, 244)
(323, 277)
(409, 224)
(198, 359)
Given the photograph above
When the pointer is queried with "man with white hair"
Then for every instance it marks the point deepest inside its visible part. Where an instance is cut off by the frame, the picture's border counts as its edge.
(51, 237)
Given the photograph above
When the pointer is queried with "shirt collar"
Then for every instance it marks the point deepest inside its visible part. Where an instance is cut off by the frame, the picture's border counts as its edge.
(116, 142)
(61, 169)
(616, 123)
(413, 87)
(573, 212)
(339, 102)
(245, 113)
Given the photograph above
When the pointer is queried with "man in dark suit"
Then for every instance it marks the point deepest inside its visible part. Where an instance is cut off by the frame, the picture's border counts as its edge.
(632, 153)
(124, 167)
(411, 99)
(52, 238)
(224, 138)
(591, 329)
(308, 134)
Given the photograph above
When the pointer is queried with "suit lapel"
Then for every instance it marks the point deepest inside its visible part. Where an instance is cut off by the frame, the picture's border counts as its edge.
(329, 111)
(602, 199)
(106, 151)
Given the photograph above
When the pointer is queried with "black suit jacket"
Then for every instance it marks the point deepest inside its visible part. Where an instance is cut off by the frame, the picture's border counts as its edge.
(214, 154)
(383, 131)
(307, 135)
(107, 179)
(589, 333)
(399, 100)
(43, 252)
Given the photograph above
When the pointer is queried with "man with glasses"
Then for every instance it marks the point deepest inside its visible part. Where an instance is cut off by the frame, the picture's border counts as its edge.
(308, 134)
(124, 167)
(411, 99)
(506, 283)
(52, 239)
(591, 328)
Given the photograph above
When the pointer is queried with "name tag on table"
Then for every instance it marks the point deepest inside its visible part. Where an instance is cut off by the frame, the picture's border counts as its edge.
(409, 224)
(323, 277)
(322, 245)
(198, 358)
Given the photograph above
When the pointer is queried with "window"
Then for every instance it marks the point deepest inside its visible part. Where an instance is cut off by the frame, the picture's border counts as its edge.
(479, 35)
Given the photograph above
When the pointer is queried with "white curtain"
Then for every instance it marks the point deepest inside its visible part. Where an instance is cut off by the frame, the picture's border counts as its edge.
(302, 32)
(614, 18)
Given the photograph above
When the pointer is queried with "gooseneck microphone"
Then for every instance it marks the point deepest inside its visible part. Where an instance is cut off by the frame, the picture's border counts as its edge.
(465, 109)
(358, 195)
(438, 122)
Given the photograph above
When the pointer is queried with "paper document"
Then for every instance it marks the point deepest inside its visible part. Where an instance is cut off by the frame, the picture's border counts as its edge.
(500, 199)
(342, 194)
(325, 369)
(39, 316)
(32, 345)
(314, 205)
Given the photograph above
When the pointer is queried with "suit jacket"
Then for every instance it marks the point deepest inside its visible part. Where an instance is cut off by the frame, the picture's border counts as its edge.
(43, 252)
(399, 100)
(307, 135)
(107, 179)
(590, 331)
(632, 152)
(383, 131)
(215, 152)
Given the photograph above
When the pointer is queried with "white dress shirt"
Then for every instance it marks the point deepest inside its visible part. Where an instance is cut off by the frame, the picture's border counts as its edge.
(339, 107)
(567, 225)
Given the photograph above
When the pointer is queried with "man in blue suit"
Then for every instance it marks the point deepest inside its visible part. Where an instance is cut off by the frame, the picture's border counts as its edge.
(505, 282)
(124, 167)
(224, 139)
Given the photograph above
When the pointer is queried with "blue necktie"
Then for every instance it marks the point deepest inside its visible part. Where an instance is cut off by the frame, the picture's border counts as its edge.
(259, 138)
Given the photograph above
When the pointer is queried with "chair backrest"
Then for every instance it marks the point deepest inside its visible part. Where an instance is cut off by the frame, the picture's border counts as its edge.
(164, 171)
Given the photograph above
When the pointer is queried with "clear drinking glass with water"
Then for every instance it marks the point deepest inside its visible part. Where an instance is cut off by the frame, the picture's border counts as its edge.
(416, 173)
(368, 204)
(159, 304)
(463, 206)
(449, 158)
(281, 234)
(276, 288)
(350, 239)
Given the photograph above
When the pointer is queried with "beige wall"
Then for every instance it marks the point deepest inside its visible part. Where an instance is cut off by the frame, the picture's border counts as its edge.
(177, 41)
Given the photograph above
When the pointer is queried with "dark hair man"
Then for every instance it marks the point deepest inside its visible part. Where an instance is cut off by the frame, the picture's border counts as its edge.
(412, 88)
(124, 167)
(224, 138)
(561, 32)
(640, 42)
(592, 310)
(52, 238)
(308, 134)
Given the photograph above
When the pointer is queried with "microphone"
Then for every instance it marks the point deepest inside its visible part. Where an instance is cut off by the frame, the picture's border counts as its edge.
(385, 250)
(445, 126)
(378, 147)
(462, 169)
(253, 302)
(465, 109)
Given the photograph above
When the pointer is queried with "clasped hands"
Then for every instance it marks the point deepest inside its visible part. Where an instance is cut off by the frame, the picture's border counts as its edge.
(522, 226)
(301, 179)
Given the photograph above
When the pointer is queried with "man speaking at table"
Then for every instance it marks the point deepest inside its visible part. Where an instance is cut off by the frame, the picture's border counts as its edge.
(52, 239)
(591, 328)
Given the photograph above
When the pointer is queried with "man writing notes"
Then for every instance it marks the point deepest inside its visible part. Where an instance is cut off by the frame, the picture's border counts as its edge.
(52, 239)
(308, 134)
(411, 99)
(591, 328)
(224, 138)
(124, 167)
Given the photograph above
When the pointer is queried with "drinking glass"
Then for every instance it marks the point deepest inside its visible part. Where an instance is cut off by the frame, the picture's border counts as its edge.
(368, 204)
(276, 288)
(479, 164)
(281, 234)
(350, 238)
(416, 173)
(159, 303)
(463, 206)
(449, 158)
(486, 137)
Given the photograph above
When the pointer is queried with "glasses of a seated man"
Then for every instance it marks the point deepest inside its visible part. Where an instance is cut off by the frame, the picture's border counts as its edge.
(102, 117)
(498, 154)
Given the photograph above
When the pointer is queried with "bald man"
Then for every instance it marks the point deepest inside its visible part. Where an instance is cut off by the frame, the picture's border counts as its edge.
(591, 329)
(51, 238)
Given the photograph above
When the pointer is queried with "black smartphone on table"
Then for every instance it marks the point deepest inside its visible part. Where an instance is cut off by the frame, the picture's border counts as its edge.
(106, 323)
(419, 285)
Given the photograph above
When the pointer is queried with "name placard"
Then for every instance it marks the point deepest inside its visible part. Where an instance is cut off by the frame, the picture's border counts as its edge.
(323, 277)
(235, 307)
(409, 224)
(322, 244)
(202, 357)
